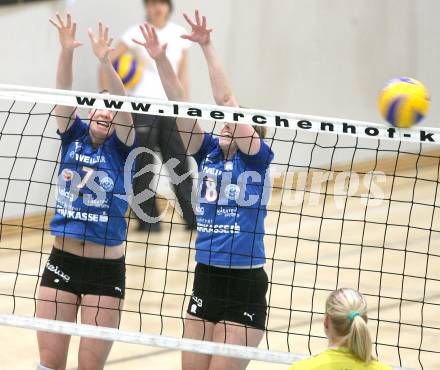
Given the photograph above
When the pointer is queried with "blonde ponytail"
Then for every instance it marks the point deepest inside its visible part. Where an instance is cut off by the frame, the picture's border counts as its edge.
(359, 340)
(347, 311)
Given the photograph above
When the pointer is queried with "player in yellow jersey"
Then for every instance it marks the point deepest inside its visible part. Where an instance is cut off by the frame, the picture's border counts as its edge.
(349, 341)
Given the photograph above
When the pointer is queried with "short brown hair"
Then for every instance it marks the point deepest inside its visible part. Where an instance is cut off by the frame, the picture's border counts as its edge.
(169, 2)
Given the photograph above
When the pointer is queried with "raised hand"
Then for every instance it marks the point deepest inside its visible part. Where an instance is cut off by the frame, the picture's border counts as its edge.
(199, 32)
(66, 31)
(151, 42)
(102, 46)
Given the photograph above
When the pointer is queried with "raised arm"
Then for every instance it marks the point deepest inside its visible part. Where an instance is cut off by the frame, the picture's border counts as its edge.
(102, 47)
(182, 74)
(120, 49)
(246, 137)
(190, 131)
(66, 32)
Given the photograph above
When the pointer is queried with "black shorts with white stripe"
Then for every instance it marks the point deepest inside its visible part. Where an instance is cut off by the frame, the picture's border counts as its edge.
(82, 275)
(228, 294)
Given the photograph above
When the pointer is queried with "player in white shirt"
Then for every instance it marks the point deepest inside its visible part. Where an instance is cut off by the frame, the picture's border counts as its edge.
(155, 131)
(158, 12)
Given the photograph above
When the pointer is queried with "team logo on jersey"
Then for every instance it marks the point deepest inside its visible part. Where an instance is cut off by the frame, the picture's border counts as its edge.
(107, 184)
(78, 147)
(208, 160)
(229, 166)
(232, 191)
(67, 174)
(99, 203)
(227, 212)
(200, 211)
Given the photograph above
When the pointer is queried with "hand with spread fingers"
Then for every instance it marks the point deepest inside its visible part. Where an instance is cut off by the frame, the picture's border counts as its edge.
(102, 46)
(66, 30)
(200, 33)
(151, 42)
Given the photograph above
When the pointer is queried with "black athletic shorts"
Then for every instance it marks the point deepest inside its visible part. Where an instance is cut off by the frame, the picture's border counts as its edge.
(83, 275)
(236, 295)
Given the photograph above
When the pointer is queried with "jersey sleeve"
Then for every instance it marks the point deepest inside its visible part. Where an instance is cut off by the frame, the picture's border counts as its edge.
(262, 159)
(122, 147)
(209, 143)
(78, 129)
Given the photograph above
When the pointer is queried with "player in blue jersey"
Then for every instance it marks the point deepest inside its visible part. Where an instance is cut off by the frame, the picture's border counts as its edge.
(86, 269)
(228, 303)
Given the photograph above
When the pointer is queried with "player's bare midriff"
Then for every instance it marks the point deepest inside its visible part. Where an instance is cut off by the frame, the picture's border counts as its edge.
(88, 249)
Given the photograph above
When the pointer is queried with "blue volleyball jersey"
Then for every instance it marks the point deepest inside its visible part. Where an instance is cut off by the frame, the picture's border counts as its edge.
(231, 205)
(91, 202)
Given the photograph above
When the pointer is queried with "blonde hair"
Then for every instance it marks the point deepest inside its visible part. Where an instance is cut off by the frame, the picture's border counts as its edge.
(347, 311)
(261, 131)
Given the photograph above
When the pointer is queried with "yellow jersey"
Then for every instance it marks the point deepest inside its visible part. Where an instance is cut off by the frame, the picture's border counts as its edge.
(337, 359)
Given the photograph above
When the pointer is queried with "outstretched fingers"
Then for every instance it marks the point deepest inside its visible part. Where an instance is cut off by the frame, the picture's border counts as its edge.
(141, 43)
(197, 17)
(151, 41)
(154, 37)
(73, 29)
(149, 31)
(69, 20)
(91, 35)
(200, 31)
(66, 30)
(103, 34)
(150, 34)
(60, 20)
(106, 33)
(73, 33)
(100, 27)
(144, 32)
(55, 23)
(189, 21)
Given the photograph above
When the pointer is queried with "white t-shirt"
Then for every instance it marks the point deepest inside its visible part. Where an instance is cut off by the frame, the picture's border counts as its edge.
(150, 85)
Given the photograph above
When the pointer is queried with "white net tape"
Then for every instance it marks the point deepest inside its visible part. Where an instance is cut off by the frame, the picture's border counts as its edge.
(180, 344)
(220, 114)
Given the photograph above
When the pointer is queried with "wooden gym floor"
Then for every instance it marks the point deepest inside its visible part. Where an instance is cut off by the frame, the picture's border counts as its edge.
(406, 268)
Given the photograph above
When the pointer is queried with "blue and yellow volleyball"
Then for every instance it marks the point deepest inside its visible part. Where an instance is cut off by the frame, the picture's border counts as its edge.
(129, 70)
(404, 102)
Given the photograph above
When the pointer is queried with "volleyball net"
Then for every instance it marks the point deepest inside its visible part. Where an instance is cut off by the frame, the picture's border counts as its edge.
(352, 204)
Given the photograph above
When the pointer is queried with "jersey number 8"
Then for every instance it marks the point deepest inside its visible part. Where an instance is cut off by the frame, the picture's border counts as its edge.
(211, 193)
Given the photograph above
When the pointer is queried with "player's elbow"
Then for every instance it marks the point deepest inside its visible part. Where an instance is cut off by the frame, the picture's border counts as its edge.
(176, 95)
(226, 100)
